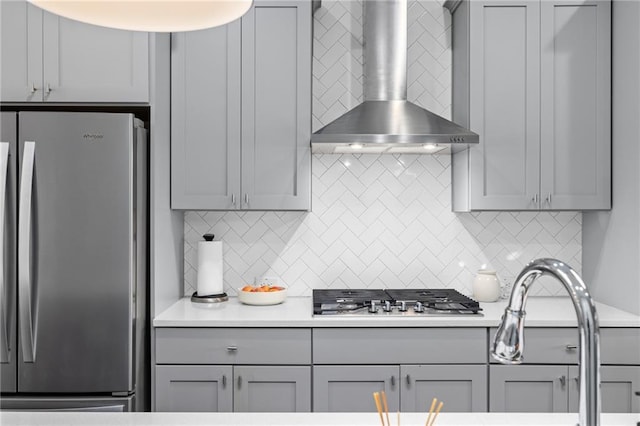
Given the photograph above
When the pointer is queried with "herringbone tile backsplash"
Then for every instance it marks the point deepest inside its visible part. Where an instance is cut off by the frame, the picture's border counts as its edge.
(380, 221)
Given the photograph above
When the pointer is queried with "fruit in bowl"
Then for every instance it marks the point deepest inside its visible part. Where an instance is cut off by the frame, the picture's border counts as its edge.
(262, 295)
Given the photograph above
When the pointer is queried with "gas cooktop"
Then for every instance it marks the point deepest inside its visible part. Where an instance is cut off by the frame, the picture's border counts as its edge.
(390, 302)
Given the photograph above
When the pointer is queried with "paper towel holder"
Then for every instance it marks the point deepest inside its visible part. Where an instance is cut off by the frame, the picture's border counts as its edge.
(211, 298)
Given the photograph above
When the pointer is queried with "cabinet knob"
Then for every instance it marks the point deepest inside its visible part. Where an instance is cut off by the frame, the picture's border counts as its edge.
(563, 380)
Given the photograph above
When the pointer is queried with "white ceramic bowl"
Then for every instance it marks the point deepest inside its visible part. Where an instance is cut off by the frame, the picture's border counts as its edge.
(262, 297)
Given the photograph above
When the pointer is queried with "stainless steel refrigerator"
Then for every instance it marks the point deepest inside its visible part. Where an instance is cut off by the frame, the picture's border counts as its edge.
(73, 269)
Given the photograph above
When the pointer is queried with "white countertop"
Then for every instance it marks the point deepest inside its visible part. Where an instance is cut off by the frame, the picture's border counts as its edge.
(298, 312)
(311, 419)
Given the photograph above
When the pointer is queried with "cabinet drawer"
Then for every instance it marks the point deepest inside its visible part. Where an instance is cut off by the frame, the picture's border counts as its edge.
(554, 345)
(399, 346)
(233, 346)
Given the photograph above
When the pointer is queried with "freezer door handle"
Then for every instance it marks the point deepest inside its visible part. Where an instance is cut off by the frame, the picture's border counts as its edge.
(25, 304)
(4, 167)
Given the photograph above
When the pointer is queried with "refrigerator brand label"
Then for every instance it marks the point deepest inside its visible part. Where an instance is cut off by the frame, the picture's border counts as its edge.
(93, 136)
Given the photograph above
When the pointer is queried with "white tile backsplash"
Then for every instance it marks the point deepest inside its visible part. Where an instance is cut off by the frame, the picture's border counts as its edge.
(380, 221)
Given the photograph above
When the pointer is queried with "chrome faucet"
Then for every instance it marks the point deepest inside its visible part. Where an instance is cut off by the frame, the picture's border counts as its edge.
(508, 344)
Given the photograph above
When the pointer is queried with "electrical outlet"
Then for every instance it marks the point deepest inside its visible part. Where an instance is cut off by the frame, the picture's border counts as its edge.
(266, 281)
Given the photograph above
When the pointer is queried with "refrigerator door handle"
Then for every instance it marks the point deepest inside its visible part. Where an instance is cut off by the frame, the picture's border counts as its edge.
(4, 168)
(24, 254)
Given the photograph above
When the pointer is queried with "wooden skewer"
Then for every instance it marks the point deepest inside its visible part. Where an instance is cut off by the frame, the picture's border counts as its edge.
(398, 418)
(376, 396)
(386, 408)
(433, 405)
(436, 414)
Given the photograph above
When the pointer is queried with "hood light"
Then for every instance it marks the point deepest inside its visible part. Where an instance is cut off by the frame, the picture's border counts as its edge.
(149, 15)
(432, 147)
(355, 146)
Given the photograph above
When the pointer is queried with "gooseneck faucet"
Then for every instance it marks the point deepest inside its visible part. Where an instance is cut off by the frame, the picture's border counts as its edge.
(508, 344)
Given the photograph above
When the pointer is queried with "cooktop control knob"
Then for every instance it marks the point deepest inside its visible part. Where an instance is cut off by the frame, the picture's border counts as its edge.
(402, 306)
(373, 308)
(418, 307)
(387, 306)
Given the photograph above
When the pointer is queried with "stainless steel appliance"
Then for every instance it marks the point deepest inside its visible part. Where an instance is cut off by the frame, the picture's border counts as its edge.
(73, 269)
(390, 302)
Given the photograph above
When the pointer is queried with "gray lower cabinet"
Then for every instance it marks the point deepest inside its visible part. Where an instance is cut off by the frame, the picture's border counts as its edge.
(268, 389)
(241, 112)
(215, 388)
(410, 388)
(533, 79)
(194, 388)
(528, 388)
(463, 387)
(619, 385)
(342, 388)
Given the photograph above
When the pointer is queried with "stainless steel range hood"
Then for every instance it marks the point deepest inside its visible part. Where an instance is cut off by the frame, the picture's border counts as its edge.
(386, 122)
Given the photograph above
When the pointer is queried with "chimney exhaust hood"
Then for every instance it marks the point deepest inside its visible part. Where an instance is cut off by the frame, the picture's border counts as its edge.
(386, 122)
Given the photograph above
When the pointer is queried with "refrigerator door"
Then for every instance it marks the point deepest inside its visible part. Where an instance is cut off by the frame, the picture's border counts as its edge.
(76, 274)
(68, 404)
(8, 187)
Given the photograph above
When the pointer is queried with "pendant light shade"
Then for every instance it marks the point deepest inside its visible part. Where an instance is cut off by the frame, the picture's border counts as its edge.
(149, 15)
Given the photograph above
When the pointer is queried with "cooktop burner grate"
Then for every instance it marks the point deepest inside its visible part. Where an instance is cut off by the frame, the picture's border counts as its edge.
(397, 302)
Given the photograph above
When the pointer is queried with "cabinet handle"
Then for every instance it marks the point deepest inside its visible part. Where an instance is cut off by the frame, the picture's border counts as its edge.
(232, 348)
(233, 199)
(246, 198)
(48, 89)
(239, 381)
(577, 380)
(563, 380)
(535, 199)
(224, 380)
(548, 199)
(34, 89)
(571, 348)
(393, 380)
(408, 379)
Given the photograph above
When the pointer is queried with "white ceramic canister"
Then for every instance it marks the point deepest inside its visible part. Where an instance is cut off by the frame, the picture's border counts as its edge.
(486, 286)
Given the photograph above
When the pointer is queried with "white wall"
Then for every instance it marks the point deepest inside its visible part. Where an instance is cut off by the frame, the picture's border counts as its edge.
(380, 221)
(611, 240)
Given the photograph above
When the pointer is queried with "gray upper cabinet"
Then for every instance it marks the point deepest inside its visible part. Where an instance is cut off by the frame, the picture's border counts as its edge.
(46, 58)
(241, 113)
(533, 79)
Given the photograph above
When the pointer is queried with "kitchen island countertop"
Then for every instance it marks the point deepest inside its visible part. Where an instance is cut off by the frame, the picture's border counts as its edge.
(297, 312)
(286, 419)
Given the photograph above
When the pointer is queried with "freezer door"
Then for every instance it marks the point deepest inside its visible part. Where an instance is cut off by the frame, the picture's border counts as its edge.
(68, 404)
(8, 187)
(76, 274)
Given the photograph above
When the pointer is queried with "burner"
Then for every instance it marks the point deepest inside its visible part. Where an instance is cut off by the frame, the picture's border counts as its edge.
(395, 302)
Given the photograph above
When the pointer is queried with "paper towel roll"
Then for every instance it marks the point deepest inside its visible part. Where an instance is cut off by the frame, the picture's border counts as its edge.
(210, 268)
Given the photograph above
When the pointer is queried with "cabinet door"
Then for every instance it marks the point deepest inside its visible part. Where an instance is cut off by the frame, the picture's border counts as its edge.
(528, 388)
(463, 387)
(20, 52)
(504, 105)
(199, 388)
(351, 388)
(87, 63)
(617, 389)
(576, 104)
(272, 389)
(205, 118)
(276, 106)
